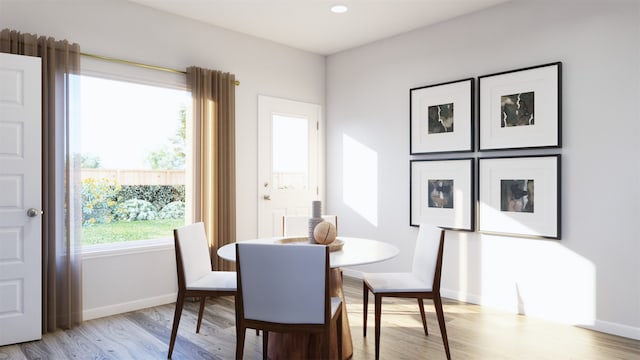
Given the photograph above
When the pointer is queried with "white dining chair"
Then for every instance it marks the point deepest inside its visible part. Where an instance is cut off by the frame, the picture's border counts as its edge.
(423, 282)
(285, 289)
(296, 225)
(195, 277)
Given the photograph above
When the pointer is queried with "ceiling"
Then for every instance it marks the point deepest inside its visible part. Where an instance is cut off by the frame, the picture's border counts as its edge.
(310, 25)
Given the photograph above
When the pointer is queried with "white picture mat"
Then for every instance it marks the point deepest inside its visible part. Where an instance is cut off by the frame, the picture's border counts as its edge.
(460, 216)
(458, 93)
(544, 173)
(543, 82)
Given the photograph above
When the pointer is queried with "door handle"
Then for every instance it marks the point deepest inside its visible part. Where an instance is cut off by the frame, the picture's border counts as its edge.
(33, 212)
(266, 197)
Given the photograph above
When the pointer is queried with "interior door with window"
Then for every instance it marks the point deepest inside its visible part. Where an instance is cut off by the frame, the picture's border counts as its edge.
(288, 161)
(20, 199)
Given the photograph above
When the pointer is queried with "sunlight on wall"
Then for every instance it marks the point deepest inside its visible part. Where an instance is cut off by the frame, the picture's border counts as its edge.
(539, 278)
(360, 179)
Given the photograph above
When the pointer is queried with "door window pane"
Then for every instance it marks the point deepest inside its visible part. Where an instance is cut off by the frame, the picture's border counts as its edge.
(290, 141)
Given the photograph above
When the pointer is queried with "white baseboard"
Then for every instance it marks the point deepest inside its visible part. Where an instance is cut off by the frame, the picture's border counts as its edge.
(614, 329)
(88, 314)
(461, 296)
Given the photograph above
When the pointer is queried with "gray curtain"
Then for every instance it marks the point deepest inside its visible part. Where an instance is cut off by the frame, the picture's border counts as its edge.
(61, 262)
(214, 157)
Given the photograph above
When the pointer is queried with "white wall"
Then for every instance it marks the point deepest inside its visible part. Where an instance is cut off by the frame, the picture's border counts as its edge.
(134, 278)
(124, 30)
(591, 277)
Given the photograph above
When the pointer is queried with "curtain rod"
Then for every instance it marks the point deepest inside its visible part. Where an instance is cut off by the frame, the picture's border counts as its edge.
(146, 66)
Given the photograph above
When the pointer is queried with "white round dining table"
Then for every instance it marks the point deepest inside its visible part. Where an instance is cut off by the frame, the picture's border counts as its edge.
(355, 251)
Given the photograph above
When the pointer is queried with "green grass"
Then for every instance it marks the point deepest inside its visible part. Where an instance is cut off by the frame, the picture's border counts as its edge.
(122, 231)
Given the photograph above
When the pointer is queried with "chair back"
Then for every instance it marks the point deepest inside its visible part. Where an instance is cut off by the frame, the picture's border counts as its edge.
(192, 253)
(294, 225)
(427, 258)
(285, 284)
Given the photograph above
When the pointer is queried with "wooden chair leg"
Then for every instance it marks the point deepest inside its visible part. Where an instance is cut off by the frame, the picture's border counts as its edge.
(378, 313)
(240, 332)
(339, 331)
(265, 344)
(437, 302)
(176, 322)
(365, 305)
(203, 300)
(424, 317)
(326, 343)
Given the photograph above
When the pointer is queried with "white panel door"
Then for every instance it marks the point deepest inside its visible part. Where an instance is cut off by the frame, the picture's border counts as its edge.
(20, 199)
(288, 161)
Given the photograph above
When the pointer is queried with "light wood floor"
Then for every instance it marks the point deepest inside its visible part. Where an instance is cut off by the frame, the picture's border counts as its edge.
(474, 333)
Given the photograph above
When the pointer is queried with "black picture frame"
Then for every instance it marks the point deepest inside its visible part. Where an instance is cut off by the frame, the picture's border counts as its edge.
(441, 117)
(442, 193)
(521, 109)
(520, 196)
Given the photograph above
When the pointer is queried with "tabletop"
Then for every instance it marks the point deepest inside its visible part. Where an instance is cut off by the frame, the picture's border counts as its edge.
(356, 251)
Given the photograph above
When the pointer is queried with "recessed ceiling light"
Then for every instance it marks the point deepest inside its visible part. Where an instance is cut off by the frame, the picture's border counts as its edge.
(339, 9)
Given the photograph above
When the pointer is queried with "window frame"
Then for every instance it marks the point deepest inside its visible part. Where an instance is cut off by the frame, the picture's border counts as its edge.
(152, 77)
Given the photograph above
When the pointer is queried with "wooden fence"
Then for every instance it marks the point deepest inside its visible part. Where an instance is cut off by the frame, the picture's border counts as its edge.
(137, 177)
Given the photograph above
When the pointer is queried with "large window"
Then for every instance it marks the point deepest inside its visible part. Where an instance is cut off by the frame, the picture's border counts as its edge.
(133, 159)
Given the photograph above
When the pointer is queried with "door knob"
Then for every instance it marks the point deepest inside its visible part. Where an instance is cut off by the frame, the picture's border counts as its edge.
(33, 212)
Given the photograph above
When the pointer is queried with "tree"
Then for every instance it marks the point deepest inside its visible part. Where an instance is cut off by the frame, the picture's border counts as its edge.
(172, 156)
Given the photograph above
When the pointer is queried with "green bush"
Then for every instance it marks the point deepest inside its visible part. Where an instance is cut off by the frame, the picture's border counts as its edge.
(136, 209)
(105, 201)
(173, 210)
(99, 198)
(158, 195)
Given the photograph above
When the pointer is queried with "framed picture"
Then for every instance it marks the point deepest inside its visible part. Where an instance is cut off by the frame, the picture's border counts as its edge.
(441, 117)
(520, 196)
(442, 193)
(521, 108)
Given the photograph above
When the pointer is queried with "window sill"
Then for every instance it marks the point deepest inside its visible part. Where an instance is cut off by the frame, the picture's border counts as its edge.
(126, 248)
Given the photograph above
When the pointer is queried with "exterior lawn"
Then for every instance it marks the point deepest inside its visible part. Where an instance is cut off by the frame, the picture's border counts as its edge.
(122, 231)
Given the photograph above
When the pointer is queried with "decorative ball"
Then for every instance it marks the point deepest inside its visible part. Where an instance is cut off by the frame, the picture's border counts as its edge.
(324, 233)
